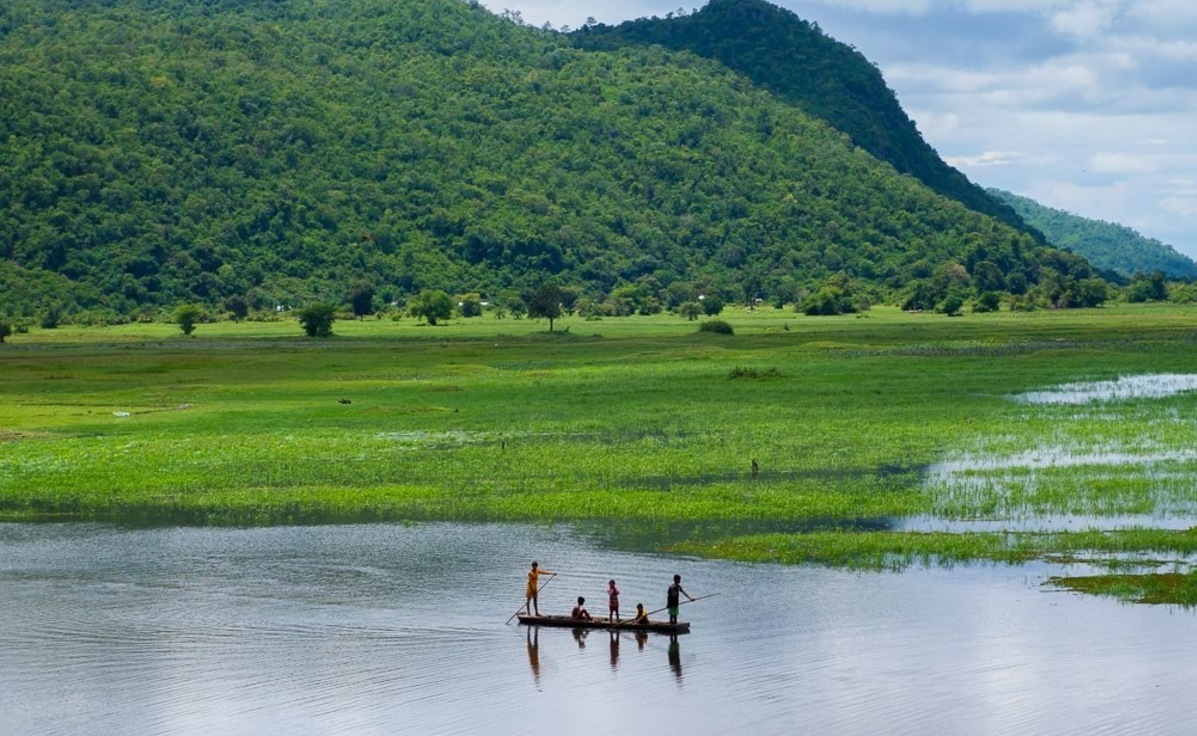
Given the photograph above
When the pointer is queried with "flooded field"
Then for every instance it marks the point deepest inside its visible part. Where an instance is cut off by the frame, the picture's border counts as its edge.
(1147, 386)
(400, 629)
(1099, 451)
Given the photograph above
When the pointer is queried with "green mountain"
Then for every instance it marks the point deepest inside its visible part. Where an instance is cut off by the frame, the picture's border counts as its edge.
(795, 60)
(1106, 245)
(156, 152)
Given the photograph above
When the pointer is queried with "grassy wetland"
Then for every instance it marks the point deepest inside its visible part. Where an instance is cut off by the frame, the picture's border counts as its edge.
(881, 441)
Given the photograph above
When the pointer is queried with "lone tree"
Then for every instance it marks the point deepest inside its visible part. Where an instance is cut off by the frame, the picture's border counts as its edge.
(432, 305)
(237, 307)
(317, 319)
(186, 317)
(469, 305)
(5, 329)
(361, 298)
(546, 303)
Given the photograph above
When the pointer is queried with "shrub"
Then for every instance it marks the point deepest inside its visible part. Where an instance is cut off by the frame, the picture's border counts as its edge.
(186, 316)
(237, 307)
(718, 326)
(689, 310)
(951, 305)
(989, 301)
(317, 319)
(433, 305)
(52, 317)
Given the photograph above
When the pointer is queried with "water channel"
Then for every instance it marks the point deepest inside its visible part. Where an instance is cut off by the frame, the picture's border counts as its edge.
(400, 629)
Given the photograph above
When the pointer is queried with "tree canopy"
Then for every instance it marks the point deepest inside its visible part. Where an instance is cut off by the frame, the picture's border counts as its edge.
(1106, 245)
(162, 152)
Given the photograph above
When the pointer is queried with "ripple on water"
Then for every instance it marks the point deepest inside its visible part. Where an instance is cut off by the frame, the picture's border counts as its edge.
(265, 637)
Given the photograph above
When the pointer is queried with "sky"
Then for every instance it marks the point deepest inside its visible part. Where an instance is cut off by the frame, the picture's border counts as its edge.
(1088, 106)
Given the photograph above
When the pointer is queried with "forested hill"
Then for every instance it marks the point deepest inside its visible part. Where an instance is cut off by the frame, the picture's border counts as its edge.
(792, 57)
(155, 152)
(1106, 245)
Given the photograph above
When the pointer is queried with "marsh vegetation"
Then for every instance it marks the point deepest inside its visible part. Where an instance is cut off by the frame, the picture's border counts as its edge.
(854, 420)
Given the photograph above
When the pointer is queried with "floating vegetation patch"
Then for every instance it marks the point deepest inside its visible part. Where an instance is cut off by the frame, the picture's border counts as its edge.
(1126, 388)
(855, 548)
(1170, 588)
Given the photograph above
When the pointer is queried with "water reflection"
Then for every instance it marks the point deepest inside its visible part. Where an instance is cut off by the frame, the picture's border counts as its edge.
(390, 629)
(675, 657)
(534, 652)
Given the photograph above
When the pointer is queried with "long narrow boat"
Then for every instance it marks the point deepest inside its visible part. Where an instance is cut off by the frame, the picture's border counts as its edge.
(681, 627)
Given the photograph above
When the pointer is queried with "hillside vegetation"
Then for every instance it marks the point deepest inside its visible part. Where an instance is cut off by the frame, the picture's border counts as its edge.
(794, 59)
(1106, 245)
(157, 152)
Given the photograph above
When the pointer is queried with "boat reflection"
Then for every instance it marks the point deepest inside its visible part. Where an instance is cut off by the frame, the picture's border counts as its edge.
(614, 641)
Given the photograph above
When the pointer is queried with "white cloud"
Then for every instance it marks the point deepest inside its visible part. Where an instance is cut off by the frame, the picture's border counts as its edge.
(1183, 206)
(1085, 20)
(987, 158)
(1122, 163)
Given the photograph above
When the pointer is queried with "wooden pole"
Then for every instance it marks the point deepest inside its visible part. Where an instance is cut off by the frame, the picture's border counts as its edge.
(517, 611)
(650, 613)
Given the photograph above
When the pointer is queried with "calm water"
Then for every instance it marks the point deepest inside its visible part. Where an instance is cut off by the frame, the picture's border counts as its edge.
(393, 629)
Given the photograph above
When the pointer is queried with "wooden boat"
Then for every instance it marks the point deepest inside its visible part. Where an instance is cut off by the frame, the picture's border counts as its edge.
(664, 627)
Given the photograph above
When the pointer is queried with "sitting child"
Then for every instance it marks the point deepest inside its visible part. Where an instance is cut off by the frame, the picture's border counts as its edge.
(641, 615)
(579, 611)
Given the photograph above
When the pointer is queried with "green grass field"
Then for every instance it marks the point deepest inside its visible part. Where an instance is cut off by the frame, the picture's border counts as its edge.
(643, 419)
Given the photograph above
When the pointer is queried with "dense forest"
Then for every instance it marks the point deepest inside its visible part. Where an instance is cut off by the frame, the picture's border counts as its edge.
(1106, 245)
(795, 60)
(161, 152)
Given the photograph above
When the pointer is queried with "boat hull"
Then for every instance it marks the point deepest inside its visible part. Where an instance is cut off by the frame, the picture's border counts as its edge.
(664, 627)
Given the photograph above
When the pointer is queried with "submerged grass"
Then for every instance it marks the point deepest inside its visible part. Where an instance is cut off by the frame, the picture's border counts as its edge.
(637, 419)
(895, 550)
(1171, 588)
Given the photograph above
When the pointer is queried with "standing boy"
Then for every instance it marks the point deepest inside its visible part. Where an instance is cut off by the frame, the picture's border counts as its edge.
(533, 589)
(671, 598)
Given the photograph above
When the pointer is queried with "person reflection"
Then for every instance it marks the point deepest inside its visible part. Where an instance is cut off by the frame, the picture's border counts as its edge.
(534, 652)
(675, 657)
(614, 650)
(580, 637)
(641, 639)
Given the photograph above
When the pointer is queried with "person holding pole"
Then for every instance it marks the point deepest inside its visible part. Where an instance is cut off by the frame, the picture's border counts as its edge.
(672, 601)
(533, 589)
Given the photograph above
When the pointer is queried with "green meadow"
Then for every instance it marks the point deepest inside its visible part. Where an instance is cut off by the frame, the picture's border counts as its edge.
(880, 440)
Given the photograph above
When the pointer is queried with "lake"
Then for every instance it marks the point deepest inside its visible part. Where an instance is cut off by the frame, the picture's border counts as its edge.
(401, 629)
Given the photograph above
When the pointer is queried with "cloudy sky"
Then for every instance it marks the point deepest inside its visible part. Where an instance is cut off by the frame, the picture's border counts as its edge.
(1089, 106)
